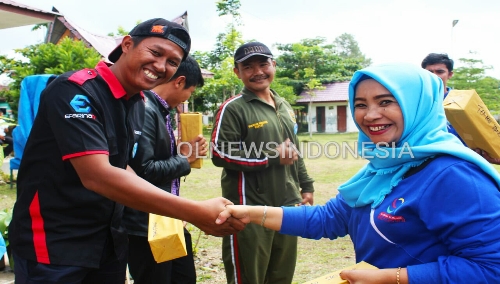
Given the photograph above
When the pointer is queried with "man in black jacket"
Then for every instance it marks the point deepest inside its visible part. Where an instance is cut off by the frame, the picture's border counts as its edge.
(157, 161)
(74, 177)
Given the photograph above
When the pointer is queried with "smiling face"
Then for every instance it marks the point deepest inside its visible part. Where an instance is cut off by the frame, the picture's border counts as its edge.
(377, 112)
(257, 73)
(147, 64)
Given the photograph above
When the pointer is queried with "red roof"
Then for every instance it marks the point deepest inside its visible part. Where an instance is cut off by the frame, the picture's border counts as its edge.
(333, 92)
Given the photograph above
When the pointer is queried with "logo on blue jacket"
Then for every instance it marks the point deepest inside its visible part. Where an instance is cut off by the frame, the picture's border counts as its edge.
(80, 103)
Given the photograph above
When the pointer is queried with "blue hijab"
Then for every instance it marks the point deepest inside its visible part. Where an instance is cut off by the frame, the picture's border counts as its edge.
(420, 96)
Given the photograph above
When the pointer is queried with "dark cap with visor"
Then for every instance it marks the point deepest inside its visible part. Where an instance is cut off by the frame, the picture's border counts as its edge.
(158, 27)
(251, 49)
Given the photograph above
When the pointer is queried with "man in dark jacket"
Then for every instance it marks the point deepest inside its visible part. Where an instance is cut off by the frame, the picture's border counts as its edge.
(74, 177)
(158, 162)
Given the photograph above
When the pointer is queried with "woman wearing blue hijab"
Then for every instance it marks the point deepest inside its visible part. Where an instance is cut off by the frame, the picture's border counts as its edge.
(425, 209)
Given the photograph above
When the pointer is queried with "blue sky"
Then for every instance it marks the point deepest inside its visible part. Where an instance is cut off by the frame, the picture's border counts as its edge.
(386, 30)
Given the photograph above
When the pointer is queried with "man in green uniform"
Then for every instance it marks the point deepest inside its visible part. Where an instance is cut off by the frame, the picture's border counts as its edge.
(253, 140)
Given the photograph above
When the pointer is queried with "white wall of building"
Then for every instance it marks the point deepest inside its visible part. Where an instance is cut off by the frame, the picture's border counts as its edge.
(331, 117)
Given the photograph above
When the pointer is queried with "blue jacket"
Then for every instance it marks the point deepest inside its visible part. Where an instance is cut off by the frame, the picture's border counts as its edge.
(442, 223)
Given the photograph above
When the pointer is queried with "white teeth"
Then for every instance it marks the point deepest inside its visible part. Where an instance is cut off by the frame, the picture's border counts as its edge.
(378, 128)
(150, 75)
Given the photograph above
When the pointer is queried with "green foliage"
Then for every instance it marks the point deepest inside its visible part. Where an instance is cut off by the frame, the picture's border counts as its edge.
(472, 76)
(5, 218)
(46, 58)
(225, 46)
(40, 26)
(215, 91)
(220, 62)
(120, 32)
(311, 85)
(347, 48)
(284, 90)
(229, 7)
(314, 54)
(203, 58)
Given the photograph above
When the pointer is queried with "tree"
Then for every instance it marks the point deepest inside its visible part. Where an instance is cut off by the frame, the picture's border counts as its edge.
(229, 7)
(120, 32)
(224, 85)
(45, 58)
(316, 54)
(225, 46)
(310, 86)
(347, 48)
(310, 63)
(220, 61)
(472, 76)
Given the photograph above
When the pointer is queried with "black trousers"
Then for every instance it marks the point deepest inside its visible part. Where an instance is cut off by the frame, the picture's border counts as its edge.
(10, 146)
(111, 271)
(145, 270)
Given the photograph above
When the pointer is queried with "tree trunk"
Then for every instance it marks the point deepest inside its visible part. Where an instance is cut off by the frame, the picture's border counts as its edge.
(309, 118)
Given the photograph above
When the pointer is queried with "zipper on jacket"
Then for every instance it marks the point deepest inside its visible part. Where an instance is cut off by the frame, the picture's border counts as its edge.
(278, 105)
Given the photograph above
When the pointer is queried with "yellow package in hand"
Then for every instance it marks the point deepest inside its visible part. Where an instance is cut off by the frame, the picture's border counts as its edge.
(191, 126)
(334, 277)
(166, 238)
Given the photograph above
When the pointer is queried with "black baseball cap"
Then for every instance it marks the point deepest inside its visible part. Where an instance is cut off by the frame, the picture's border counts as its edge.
(160, 28)
(251, 49)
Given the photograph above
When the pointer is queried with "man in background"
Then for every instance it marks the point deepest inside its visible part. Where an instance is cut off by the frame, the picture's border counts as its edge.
(253, 137)
(6, 136)
(442, 66)
(158, 162)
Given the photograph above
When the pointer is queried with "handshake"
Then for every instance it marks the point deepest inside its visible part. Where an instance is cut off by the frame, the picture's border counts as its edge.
(231, 219)
(266, 216)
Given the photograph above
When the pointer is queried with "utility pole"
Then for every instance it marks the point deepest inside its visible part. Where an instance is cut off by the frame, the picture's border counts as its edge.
(453, 24)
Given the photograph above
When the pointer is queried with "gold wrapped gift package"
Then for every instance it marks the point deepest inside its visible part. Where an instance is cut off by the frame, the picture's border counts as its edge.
(166, 238)
(191, 126)
(334, 278)
(473, 121)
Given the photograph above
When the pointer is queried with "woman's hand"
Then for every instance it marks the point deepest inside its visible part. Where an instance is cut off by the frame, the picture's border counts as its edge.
(239, 212)
(375, 276)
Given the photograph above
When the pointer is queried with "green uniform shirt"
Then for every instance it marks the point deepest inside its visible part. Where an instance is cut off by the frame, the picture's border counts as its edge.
(246, 132)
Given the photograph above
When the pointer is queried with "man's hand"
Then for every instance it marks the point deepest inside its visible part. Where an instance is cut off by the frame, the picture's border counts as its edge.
(209, 212)
(194, 149)
(307, 198)
(487, 156)
(288, 155)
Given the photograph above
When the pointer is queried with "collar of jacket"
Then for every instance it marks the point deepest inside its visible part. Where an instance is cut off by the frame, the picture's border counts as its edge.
(153, 100)
(248, 96)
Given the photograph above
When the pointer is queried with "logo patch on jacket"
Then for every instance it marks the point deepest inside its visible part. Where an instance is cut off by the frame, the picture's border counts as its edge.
(259, 124)
(81, 104)
(388, 214)
(292, 116)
